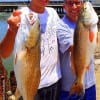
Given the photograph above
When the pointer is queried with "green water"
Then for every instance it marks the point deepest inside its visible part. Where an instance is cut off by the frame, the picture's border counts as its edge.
(8, 62)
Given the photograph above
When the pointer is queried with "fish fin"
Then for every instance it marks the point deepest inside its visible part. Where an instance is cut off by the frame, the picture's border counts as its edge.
(15, 59)
(77, 88)
(17, 94)
(88, 67)
(72, 62)
(91, 36)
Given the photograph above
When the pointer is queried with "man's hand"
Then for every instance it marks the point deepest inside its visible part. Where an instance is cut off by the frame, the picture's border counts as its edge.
(70, 48)
(14, 21)
(7, 44)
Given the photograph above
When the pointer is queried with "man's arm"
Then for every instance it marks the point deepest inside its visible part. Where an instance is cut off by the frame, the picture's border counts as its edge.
(7, 44)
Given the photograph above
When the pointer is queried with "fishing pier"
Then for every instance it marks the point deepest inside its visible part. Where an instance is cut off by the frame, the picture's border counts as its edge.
(10, 6)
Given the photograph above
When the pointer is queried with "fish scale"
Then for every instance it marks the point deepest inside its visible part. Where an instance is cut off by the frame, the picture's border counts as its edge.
(27, 64)
(84, 46)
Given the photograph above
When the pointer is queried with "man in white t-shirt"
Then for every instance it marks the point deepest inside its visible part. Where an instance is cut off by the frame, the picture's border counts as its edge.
(72, 9)
(53, 36)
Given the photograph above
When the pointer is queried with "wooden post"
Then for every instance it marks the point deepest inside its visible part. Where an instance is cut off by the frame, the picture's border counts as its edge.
(4, 82)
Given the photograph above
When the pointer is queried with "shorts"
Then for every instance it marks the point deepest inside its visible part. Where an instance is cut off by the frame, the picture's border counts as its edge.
(49, 93)
(90, 94)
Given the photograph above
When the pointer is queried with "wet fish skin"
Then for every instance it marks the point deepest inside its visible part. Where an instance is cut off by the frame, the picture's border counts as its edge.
(27, 64)
(84, 46)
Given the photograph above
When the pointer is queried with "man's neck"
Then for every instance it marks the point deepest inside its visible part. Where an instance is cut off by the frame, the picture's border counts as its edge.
(36, 9)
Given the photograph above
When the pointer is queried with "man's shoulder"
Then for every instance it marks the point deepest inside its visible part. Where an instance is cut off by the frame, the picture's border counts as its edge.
(51, 10)
(25, 10)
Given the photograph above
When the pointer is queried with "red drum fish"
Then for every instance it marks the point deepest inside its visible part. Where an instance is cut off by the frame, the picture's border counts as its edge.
(27, 64)
(84, 45)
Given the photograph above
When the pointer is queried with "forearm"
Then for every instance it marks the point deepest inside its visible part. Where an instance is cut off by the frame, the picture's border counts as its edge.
(7, 44)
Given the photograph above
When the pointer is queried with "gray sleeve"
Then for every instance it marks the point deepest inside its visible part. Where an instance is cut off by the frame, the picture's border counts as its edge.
(64, 35)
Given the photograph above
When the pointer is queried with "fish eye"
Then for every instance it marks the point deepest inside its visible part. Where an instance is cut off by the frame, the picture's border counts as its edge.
(85, 8)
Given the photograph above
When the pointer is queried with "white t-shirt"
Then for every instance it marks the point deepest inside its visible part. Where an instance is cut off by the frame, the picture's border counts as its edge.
(53, 32)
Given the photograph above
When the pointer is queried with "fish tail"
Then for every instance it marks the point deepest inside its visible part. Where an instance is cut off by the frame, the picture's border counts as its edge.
(77, 88)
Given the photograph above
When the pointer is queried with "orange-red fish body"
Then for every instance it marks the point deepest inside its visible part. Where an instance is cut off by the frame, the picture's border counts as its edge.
(84, 46)
(27, 64)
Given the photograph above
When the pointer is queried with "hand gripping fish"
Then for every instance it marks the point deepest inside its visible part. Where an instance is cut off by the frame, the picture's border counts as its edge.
(84, 45)
(27, 64)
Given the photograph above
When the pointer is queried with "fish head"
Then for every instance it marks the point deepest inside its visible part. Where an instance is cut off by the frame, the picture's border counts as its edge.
(33, 35)
(36, 25)
(88, 15)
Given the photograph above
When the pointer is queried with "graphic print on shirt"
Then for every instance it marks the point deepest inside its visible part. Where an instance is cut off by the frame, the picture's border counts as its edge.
(48, 39)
